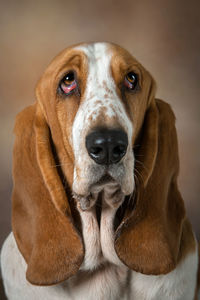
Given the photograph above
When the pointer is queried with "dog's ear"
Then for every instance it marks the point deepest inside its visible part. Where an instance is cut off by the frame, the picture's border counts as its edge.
(149, 238)
(41, 217)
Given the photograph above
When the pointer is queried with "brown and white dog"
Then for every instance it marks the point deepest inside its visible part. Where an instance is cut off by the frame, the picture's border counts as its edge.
(96, 209)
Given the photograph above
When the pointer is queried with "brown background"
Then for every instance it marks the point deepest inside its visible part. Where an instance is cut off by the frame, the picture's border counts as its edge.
(163, 35)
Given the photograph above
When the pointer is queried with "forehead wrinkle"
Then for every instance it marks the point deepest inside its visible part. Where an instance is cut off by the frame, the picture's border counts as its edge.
(123, 62)
(99, 73)
(74, 58)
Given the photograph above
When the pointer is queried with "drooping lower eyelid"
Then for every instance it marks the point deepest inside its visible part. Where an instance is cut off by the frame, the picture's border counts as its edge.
(132, 87)
(128, 84)
(68, 88)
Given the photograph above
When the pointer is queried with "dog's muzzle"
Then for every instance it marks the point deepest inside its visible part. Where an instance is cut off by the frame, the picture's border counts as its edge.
(106, 146)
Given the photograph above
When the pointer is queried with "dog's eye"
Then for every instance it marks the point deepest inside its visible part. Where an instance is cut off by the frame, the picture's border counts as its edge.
(131, 80)
(68, 83)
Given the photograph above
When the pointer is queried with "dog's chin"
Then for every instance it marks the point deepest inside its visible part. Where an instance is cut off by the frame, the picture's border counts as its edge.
(107, 188)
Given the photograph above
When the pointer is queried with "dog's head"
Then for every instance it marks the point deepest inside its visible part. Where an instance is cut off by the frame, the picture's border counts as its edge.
(96, 125)
(100, 94)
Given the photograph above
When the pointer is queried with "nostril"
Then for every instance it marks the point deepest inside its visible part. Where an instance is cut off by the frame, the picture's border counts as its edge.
(98, 154)
(96, 150)
(119, 151)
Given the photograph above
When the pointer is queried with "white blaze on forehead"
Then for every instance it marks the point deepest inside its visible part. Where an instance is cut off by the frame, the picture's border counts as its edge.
(100, 91)
(101, 86)
(100, 99)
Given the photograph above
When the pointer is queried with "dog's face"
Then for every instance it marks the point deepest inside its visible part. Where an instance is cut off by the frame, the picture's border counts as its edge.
(102, 93)
(95, 122)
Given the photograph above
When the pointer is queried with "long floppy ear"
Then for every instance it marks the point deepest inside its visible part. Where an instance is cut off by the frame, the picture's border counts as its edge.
(149, 238)
(41, 217)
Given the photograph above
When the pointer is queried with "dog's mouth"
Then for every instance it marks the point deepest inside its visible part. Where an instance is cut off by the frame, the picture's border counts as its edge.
(105, 179)
(102, 182)
(106, 192)
(110, 183)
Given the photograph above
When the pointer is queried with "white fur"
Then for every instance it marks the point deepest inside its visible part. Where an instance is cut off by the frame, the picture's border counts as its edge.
(107, 236)
(93, 256)
(177, 285)
(99, 242)
(108, 283)
(100, 99)
(109, 209)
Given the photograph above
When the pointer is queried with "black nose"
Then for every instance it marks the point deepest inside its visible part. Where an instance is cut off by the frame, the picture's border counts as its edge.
(107, 146)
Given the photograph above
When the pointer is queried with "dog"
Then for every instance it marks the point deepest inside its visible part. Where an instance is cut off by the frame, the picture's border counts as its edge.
(96, 211)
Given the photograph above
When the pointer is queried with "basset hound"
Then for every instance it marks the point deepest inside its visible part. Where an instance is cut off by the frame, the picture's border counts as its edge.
(96, 211)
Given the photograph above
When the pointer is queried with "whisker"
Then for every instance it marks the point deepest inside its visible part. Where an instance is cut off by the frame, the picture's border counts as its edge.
(142, 164)
(139, 174)
(60, 165)
(131, 196)
(137, 190)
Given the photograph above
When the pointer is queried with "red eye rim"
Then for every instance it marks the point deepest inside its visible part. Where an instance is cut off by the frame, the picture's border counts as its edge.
(68, 84)
(68, 88)
(131, 81)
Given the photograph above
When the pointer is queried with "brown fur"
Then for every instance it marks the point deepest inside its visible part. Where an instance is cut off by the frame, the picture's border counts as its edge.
(41, 219)
(153, 237)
